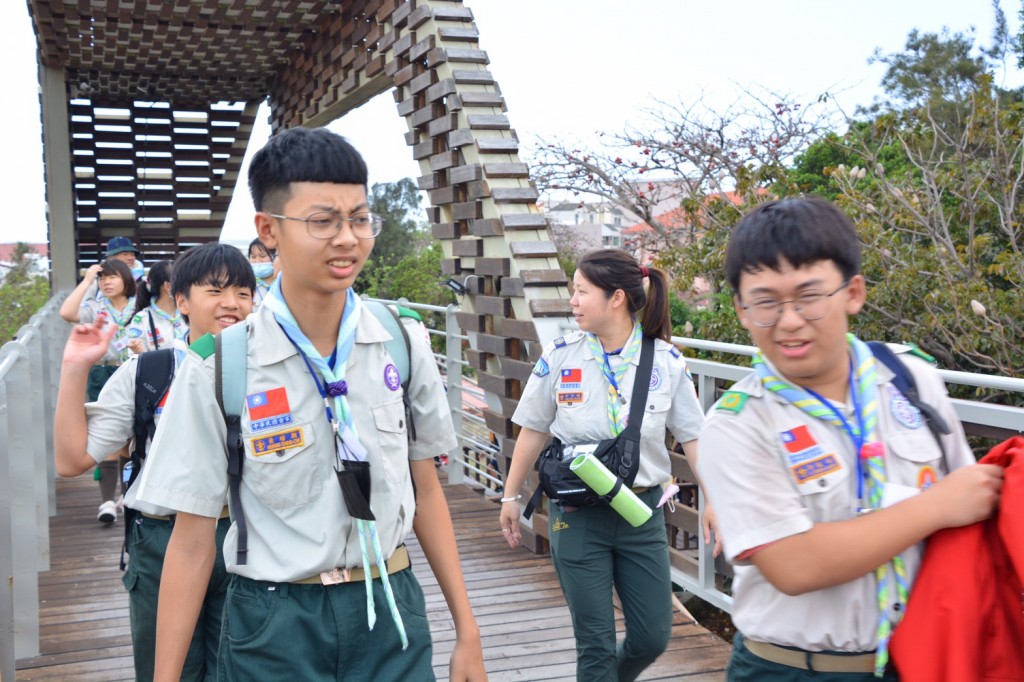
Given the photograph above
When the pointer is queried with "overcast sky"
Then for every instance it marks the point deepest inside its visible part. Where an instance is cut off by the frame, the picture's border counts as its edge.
(570, 68)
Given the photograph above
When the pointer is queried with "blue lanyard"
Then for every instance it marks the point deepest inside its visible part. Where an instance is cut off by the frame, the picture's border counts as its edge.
(857, 436)
(316, 380)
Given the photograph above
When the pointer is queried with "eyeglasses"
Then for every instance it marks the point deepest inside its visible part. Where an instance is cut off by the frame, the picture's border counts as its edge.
(327, 224)
(811, 306)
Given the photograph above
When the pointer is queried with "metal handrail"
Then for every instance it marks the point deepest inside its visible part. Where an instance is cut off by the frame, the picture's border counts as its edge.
(29, 369)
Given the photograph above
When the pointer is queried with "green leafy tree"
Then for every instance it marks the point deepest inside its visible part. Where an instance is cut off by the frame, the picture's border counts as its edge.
(398, 204)
(22, 294)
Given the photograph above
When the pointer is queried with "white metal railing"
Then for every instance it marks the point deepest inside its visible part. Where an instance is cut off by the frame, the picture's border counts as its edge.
(29, 369)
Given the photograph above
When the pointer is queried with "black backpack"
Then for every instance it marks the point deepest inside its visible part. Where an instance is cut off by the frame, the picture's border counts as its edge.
(153, 378)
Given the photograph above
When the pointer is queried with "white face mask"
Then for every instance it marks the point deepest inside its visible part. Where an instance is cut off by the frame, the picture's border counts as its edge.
(262, 270)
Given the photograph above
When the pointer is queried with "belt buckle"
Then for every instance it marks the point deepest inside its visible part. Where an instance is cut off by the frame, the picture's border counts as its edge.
(336, 576)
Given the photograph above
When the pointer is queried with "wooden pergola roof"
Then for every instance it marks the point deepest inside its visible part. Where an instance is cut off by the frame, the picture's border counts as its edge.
(161, 97)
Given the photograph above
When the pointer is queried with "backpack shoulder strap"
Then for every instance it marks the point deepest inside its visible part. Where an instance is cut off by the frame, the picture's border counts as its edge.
(153, 377)
(399, 348)
(904, 382)
(231, 348)
(154, 373)
(152, 330)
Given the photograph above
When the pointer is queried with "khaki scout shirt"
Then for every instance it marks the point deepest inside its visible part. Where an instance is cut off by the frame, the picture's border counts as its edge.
(297, 521)
(567, 396)
(756, 457)
(111, 420)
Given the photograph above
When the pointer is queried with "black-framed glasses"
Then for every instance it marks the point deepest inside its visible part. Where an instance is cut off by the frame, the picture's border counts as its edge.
(327, 224)
(811, 306)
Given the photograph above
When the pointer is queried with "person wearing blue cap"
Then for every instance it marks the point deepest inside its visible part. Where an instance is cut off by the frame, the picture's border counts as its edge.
(123, 249)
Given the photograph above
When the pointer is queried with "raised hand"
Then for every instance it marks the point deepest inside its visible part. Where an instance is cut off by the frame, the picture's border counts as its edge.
(88, 343)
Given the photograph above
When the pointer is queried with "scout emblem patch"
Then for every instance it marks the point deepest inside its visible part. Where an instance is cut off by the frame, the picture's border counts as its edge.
(268, 409)
(392, 379)
(926, 477)
(572, 378)
(541, 369)
(277, 441)
(904, 412)
(655, 379)
(731, 401)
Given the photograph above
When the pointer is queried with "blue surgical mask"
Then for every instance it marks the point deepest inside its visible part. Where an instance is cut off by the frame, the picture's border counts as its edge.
(262, 270)
(138, 271)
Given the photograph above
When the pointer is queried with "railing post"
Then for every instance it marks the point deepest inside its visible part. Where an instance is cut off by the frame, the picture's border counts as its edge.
(20, 472)
(7, 627)
(453, 354)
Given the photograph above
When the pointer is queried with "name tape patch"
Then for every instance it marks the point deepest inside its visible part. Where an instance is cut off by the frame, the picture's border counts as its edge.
(278, 441)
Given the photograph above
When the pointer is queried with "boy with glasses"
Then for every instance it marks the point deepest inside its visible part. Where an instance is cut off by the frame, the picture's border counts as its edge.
(824, 476)
(324, 590)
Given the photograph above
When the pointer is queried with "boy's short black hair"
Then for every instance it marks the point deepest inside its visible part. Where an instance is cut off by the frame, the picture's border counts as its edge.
(302, 155)
(800, 231)
(214, 263)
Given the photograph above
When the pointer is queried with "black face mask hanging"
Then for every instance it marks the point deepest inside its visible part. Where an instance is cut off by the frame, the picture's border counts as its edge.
(354, 479)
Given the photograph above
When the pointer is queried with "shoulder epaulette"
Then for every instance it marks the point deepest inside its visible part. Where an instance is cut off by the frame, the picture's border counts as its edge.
(731, 401)
(914, 349)
(204, 346)
(408, 312)
(563, 341)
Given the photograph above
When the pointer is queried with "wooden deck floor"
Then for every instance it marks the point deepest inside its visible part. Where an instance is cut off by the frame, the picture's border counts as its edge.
(527, 634)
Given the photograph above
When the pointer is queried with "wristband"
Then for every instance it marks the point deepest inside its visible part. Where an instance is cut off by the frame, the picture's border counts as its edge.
(511, 499)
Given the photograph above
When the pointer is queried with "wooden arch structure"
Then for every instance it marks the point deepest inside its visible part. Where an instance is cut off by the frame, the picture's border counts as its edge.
(147, 107)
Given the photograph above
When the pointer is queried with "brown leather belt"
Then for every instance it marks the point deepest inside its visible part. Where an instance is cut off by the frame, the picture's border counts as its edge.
(812, 660)
(399, 561)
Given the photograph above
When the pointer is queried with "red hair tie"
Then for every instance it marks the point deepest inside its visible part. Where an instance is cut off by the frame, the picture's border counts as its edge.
(644, 272)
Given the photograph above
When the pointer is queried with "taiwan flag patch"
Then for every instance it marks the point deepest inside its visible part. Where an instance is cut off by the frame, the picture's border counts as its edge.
(268, 408)
(798, 439)
(572, 378)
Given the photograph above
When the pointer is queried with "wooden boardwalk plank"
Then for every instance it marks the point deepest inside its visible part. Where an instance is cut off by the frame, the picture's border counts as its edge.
(524, 622)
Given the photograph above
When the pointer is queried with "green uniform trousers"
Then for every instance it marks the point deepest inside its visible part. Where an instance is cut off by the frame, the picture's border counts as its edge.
(746, 667)
(317, 633)
(594, 548)
(98, 376)
(147, 545)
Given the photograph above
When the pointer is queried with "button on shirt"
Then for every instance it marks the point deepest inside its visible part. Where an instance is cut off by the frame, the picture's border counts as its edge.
(567, 396)
(773, 471)
(297, 521)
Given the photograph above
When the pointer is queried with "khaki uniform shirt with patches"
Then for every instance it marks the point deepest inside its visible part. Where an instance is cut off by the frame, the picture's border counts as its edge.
(111, 420)
(773, 471)
(577, 411)
(298, 525)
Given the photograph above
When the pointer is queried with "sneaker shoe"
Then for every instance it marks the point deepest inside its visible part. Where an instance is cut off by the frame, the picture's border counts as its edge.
(107, 512)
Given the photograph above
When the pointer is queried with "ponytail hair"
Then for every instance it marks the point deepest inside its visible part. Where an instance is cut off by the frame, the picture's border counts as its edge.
(613, 269)
(159, 274)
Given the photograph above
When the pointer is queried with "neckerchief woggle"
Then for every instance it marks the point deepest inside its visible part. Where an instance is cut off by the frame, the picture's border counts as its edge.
(891, 577)
(121, 319)
(617, 415)
(178, 327)
(348, 448)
